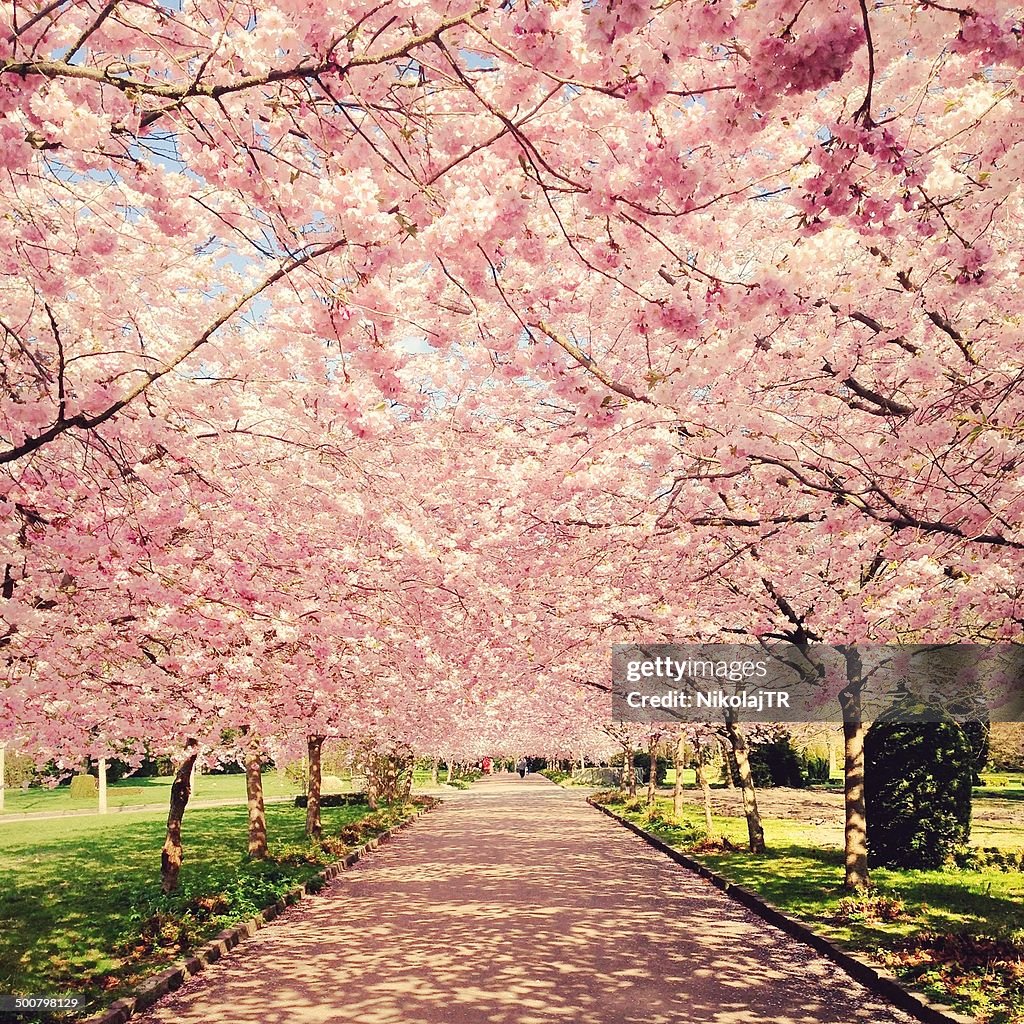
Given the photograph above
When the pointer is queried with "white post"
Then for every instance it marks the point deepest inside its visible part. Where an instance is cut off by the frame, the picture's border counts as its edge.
(101, 770)
(3, 747)
(192, 779)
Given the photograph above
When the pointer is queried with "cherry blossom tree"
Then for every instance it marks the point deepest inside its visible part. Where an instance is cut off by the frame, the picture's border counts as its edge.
(370, 369)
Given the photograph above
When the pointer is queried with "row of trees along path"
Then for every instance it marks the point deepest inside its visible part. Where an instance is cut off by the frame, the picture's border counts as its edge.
(333, 334)
(517, 903)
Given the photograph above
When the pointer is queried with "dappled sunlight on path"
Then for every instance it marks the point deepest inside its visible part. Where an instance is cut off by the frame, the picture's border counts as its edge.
(517, 903)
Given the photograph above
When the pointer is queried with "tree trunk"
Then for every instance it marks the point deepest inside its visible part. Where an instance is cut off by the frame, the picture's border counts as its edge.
(630, 773)
(677, 791)
(449, 776)
(257, 812)
(407, 771)
(856, 844)
(372, 783)
(314, 746)
(738, 741)
(171, 855)
(101, 785)
(433, 772)
(703, 779)
(652, 771)
(730, 767)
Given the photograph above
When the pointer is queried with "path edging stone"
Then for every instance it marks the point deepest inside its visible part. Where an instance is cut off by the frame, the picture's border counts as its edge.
(880, 981)
(156, 986)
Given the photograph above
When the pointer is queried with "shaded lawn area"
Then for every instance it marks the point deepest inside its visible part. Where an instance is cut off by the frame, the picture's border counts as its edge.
(802, 875)
(151, 790)
(81, 912)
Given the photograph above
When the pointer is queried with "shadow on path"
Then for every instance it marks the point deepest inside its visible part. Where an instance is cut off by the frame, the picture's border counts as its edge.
(517, 903)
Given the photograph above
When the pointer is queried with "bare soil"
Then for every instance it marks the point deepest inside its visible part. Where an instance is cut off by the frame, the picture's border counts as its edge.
(825, 806)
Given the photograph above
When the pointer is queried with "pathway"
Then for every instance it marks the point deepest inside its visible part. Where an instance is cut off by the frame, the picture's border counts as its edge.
(517, 903)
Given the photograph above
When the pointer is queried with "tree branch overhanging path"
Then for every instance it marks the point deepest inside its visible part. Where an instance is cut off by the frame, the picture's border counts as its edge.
(368, 370)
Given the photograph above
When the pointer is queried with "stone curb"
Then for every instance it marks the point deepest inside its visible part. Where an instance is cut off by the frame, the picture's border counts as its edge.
(880, 981)
(158, 985)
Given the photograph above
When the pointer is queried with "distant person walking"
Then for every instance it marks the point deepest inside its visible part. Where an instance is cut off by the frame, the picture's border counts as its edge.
(521, 767)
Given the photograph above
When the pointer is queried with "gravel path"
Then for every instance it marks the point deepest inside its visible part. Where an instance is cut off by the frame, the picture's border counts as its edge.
(517, 903)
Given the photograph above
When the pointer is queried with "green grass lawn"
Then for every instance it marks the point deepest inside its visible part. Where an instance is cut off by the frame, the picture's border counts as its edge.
(81, 912)
(802, 874)
(132, 792)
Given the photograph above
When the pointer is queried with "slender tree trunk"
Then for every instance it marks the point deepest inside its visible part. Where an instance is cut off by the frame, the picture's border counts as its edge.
(449, 776)
(677, 791)
(704, 781)
(314, 747)
(731, 768)
(101, 782)
(856, 844)
(630, 774)
(433, 772)
(407, 770)
(372, 784)
(171, 855)
(257, 812)
(738, 741)
(652, 771)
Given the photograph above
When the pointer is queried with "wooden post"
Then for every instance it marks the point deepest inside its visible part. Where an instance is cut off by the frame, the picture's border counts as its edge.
(101, 771)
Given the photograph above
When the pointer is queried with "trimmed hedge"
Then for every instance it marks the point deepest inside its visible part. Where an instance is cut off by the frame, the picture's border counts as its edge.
(919, 777)
(333, 799)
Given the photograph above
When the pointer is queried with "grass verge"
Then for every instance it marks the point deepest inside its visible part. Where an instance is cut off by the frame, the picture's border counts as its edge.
(81, 911)
(957, 935)
(132, 792)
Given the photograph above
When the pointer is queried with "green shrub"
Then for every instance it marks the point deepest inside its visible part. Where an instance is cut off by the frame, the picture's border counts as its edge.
(642, 764)
(918, 785)
(814, 769)
(19, 770)
(990, 779)
(868, 904)
(776, 763)
(84, 787)
(333, 799)
(679, 833)
(989, 858)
